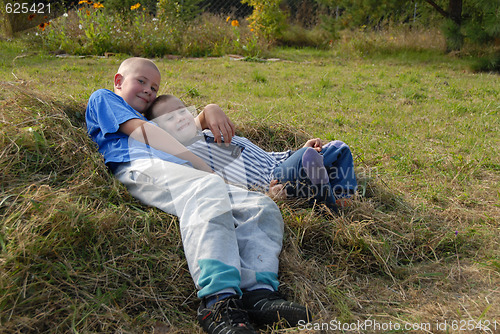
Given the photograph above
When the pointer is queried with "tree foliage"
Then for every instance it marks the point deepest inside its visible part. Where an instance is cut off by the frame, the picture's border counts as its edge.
(477, 21)
(355, 13)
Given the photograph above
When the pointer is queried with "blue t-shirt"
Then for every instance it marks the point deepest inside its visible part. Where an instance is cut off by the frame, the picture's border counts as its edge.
(105, 112)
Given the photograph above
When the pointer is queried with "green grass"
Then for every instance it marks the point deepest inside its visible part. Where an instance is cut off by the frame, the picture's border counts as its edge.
(421, 245)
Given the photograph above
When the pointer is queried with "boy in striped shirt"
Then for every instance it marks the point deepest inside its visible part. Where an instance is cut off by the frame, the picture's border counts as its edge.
(316, 171)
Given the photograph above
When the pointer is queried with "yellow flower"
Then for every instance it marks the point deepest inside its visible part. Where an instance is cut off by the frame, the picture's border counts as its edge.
(134, 7)
(98, 5)
(42, 26)
(88, 2)
(235, 23)
(228, 18)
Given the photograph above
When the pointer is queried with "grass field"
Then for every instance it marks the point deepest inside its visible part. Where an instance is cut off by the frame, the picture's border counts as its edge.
(420, 244)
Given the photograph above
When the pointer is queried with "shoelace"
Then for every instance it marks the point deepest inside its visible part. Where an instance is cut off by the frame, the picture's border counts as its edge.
(230, 307)
(275, 295)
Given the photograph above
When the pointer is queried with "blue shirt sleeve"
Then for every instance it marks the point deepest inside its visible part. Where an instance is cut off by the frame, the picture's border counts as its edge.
(105, 112)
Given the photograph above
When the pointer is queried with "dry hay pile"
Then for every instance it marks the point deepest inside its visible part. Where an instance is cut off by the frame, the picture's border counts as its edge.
(79, 254)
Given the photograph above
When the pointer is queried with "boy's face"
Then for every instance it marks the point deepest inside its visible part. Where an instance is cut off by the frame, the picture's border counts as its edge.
(138, 86)
(175, 118)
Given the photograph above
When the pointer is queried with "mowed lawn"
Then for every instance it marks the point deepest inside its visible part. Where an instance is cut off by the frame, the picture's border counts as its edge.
(419, 245)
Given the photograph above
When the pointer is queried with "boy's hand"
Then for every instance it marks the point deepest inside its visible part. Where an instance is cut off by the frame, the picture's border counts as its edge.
(314, 143)
(276, 190)
(214, 119)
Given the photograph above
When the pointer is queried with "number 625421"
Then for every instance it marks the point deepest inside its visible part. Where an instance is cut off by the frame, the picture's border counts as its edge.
(24, 8)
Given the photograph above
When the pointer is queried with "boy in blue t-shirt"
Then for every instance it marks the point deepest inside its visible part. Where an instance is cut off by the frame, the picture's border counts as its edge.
(232, 237)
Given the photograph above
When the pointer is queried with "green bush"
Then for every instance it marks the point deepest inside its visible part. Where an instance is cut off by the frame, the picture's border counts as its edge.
(453, 35)
(267, 19)
(488, 63)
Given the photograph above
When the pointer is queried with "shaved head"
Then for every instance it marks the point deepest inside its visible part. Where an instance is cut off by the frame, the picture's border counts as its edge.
(137, 82)
(132, 63)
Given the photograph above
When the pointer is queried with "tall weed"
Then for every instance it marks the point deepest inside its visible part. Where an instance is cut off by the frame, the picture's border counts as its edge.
(92, 30)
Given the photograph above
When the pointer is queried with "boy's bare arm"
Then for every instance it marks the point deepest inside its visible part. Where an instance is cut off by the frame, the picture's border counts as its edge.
(214, 119)
(159, 139)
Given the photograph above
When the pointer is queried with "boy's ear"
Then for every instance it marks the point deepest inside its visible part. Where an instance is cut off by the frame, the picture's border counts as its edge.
(118, 81)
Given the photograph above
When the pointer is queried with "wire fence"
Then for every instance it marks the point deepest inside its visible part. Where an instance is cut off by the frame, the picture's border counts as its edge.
(230, 7)
(303, 12)
(306, 13)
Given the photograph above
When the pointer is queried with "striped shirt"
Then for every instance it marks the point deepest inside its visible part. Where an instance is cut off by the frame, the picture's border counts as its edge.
(243, 163)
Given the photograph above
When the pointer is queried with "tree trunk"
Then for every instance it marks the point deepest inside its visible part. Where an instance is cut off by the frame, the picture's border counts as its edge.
(455, 11)
(454, 37)
(439, 9)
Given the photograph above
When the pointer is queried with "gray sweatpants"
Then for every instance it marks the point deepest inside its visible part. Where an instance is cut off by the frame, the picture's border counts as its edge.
(232, 237)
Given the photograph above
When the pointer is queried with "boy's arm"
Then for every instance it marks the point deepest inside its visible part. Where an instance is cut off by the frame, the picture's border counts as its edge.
(214, 119)
(159, 139)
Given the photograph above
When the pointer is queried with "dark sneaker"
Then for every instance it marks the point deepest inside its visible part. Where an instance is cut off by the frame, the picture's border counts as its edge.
(226, 316)
(266, 307)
